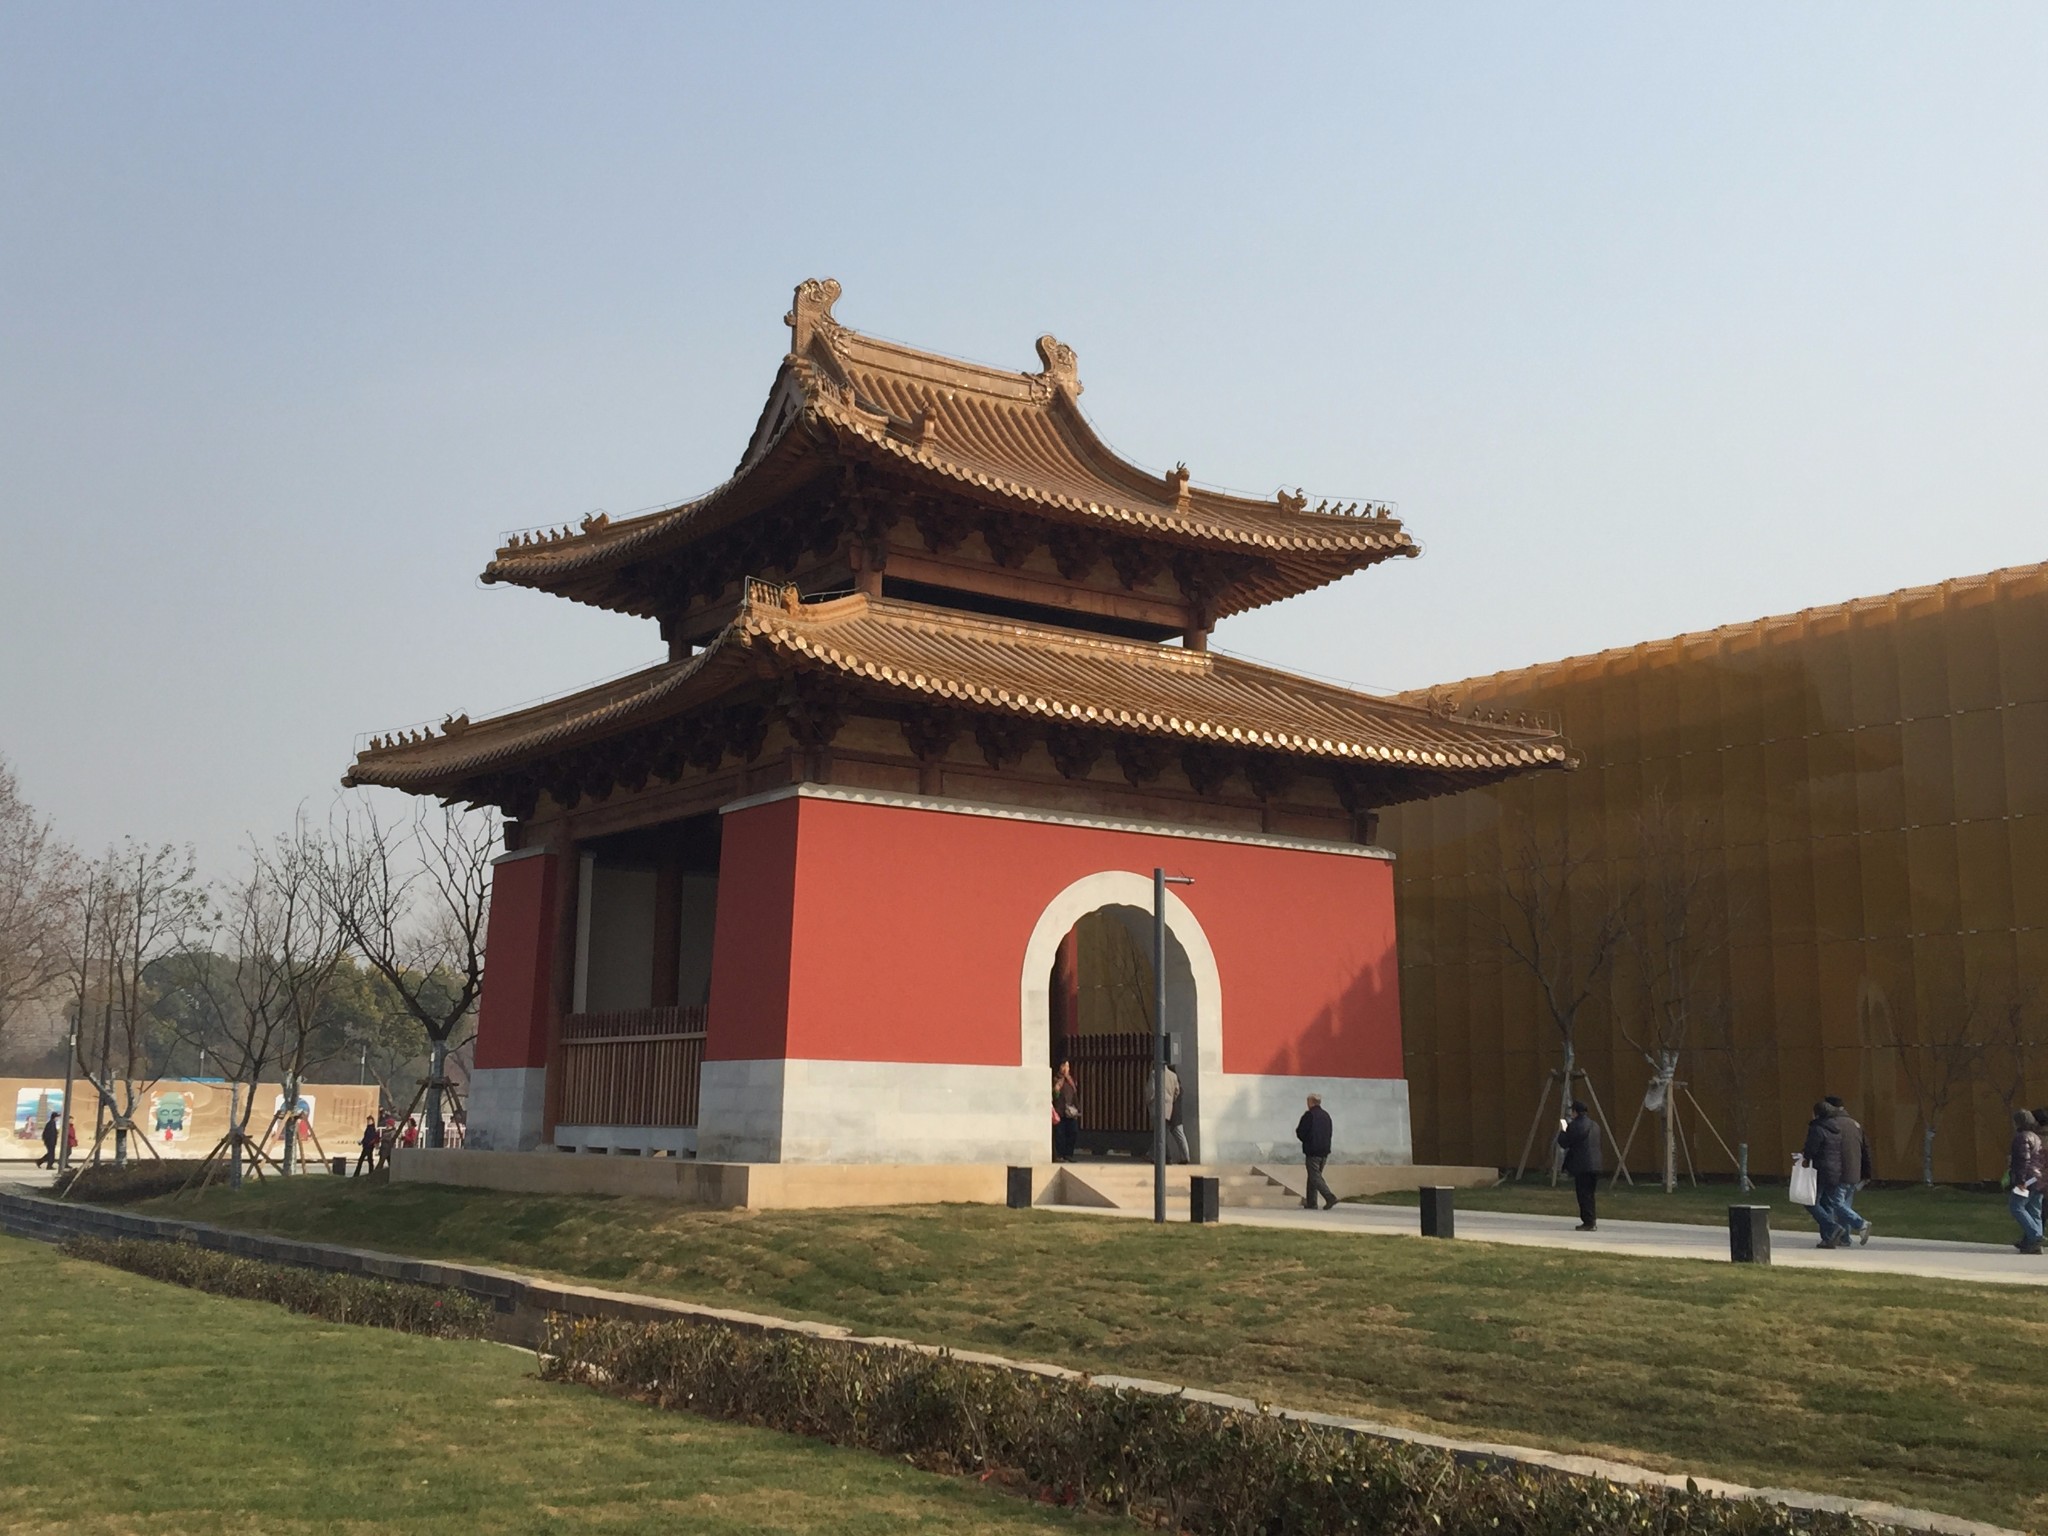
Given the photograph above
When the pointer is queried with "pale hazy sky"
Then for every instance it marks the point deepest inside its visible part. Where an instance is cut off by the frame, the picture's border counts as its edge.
(1649, 318)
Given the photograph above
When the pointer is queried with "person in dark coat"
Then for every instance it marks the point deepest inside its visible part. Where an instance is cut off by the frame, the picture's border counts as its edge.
(1823, 1150)
(1313, 1132)
(368, 1144)
(2025, 1170)
(1066, 1103)
(49, 1157)
(2035, 1201)
(1856, 1168)
(1583, 1160)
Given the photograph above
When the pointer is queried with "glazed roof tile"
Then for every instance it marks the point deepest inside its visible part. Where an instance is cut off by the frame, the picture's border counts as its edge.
(1016, 439)
(984, 665)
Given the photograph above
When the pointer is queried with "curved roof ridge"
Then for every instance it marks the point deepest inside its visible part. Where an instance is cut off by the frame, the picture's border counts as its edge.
(991, 665)
(1019, 436)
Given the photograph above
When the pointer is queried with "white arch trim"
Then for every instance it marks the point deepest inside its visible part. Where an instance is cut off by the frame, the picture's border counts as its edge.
(1118, 888)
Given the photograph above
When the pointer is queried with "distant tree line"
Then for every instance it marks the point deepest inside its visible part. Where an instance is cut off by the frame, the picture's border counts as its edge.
(354, 950)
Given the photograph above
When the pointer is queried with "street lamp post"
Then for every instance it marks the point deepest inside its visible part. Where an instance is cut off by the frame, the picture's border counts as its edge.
(70, 1076)
(1160, 881)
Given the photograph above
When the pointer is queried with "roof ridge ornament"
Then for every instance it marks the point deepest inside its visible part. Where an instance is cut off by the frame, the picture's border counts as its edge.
(1177, 485)
(1062, 369)
(810, 313)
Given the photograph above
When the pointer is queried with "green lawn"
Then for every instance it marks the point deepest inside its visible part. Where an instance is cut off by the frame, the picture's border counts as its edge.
(1912, 1210)
(1926, 1392)
(132, 1406)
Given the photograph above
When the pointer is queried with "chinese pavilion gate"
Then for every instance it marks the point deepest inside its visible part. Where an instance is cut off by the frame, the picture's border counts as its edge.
(938, 686)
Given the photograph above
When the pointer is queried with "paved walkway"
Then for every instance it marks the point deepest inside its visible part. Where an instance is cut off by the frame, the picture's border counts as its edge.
(1648, 1239)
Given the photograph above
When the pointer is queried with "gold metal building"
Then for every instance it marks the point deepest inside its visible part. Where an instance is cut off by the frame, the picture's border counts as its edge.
(1865, 789)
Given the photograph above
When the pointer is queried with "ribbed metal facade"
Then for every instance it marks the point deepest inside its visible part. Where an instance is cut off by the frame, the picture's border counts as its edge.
(1868, 787)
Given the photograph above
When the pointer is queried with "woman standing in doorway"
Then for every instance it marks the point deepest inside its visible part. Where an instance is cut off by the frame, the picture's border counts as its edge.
(1066, 1103)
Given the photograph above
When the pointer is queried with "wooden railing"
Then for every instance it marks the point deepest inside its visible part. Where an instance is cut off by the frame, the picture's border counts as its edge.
(1110, 1072)
(636, 1067)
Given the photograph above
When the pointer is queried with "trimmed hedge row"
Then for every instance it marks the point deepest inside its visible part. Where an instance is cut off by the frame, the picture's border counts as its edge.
(428, 1309)
(124, 1183)
(1164, 1460)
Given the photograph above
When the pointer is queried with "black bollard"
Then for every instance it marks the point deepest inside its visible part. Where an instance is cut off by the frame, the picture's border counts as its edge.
(1749, 1234)
(1438, 1219)
(338, 1166)
(1020, 1189)
(1203, 1199)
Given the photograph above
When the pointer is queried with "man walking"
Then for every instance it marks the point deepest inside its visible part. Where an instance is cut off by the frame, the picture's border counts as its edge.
(49, 1157)
(368, 1145)
(1176, 1138)
(1823, 1153)
(2035, 1200)
(2024, 1168)
(1583, 1160)
(1856, 1172)
(1313, 1132)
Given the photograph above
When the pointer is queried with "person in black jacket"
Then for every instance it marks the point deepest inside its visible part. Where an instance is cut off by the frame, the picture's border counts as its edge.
(1580, 1138)
(1823, 1150)
(1856, 1172)
(1313, 1132)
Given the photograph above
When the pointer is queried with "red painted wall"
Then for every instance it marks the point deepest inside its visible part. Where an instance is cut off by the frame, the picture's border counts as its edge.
(748, 1015)
(519, 951)
(908, 928)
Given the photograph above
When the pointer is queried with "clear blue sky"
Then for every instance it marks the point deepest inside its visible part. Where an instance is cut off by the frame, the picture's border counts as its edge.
(1649, 318)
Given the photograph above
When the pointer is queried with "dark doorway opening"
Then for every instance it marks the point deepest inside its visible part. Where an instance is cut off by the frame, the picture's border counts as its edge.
(1101, 1021)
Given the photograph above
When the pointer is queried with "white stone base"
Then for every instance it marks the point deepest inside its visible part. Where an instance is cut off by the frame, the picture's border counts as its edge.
(1250, 1118)
(913, 1112)
(675, 1140)
(507, 1107)
(872, 1112)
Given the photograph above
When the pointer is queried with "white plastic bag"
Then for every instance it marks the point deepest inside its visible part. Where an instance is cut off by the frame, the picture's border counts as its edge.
(1805, 1182)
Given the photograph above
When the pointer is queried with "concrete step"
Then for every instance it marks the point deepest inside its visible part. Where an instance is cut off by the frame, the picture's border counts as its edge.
(1128, 1186)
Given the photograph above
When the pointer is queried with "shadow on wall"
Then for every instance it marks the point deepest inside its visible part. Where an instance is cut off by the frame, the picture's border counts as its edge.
(1350, 1028)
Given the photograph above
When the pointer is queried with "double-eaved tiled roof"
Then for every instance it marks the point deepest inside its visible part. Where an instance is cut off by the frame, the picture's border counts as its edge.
(984, 665)
(1014, 441)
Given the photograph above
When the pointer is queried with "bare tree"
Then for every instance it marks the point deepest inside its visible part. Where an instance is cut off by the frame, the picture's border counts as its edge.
(1564, 930)
(138, 907)
(312, 944)
(257, 989)
(1676, 933)
(1941, 1056)
(415, 906)
(2010, 1044)
(1741, 1062)
(40, 877)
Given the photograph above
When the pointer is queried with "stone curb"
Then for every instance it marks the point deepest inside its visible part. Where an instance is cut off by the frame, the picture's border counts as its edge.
(524, 1302)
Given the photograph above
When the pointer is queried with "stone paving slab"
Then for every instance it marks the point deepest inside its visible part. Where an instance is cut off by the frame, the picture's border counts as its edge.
(1923, 1257)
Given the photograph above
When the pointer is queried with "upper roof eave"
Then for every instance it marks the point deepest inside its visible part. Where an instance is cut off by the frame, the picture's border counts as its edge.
(1008, 442)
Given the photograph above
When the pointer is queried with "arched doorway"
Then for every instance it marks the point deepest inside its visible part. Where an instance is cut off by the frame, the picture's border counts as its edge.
(1194, 993)
(1100, 1018)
